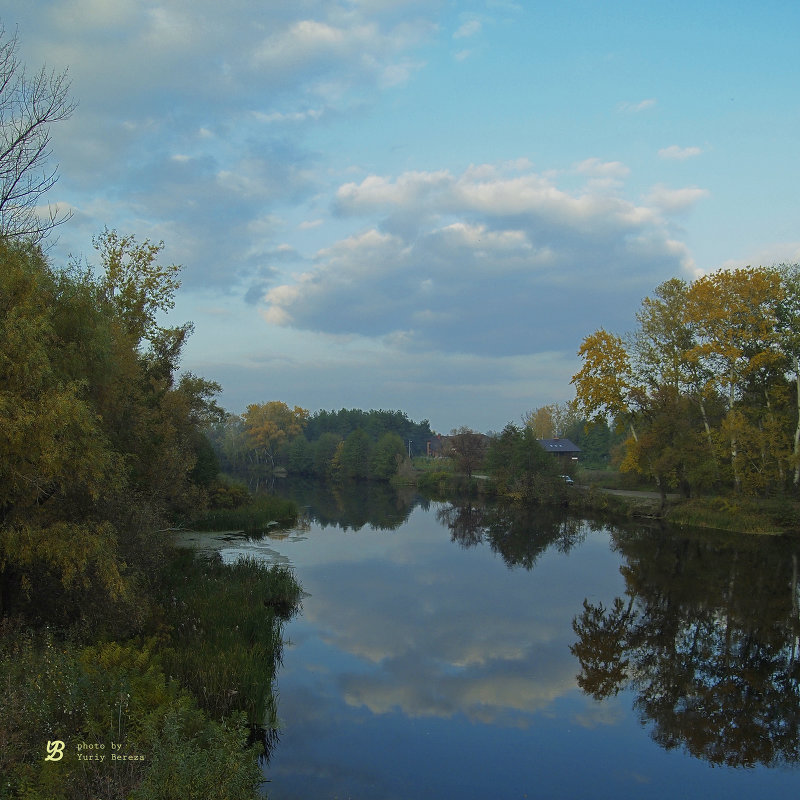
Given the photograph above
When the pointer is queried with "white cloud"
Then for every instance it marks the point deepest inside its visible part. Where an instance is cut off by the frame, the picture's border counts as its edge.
(293, 116)
(675, 200)
(677, 153)
(602, 169)
(775, 253)
(515, 260)
(636, 107)
(468, 28)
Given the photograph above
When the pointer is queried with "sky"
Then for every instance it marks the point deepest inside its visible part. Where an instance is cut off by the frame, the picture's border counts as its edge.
(420, 204)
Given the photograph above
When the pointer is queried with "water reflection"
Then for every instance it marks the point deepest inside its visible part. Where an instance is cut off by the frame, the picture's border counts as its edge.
(707, 637)
(519, 536)
(351, 505)
(464, 658)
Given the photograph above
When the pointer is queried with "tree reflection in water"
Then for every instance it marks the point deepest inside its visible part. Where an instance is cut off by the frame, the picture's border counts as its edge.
(518, 535)
(707, 638)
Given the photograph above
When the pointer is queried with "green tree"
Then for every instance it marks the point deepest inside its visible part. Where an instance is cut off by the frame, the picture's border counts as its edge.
(354, 458)
(325, 449)
(520, 467)
(387, 455)
(300, 456)
(469, 448)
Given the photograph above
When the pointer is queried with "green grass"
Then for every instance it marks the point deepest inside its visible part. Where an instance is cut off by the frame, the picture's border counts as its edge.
(255, 518)
(226, 625)
(742, 515)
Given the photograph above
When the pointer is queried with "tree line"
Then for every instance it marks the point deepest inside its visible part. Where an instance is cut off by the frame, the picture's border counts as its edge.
(707, 386)
(353, 444)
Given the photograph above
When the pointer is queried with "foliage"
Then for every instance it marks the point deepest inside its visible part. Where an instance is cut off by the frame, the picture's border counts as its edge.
(331, 445)
(227, 493)
(553, 420)
(111, 693)
(102, 447)
(374, 423)
(355, 454)
(253, 518)
(389, 452)
(325, 450)
(707, 384)
(98, 441)
(469, 449)
(521, 469)
(268, 427)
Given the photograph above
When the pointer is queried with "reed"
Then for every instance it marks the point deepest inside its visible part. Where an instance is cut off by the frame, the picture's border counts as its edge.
(226, 636)
(255, 518)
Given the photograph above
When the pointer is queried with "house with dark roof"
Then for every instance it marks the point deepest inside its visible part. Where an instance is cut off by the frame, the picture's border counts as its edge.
(563, 449)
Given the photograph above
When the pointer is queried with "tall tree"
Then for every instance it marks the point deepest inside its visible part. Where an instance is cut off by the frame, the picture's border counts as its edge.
(605, 386)
(788, 329)
(271, 425)
(469, 448)
(734, 319)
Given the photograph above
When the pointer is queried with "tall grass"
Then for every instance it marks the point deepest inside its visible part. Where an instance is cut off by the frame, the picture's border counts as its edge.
(743, 515)
(226, 633)
(255, 518)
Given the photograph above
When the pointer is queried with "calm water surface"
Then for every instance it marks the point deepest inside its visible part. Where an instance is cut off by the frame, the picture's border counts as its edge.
(458, 652)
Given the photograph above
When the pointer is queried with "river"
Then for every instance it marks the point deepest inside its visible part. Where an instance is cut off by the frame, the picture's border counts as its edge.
(459, 651)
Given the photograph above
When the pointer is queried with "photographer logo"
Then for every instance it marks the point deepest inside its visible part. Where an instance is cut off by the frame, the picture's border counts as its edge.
(55, 751)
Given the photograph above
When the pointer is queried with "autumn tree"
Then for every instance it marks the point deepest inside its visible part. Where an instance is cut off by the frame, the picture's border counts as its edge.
(787, 311)
(271, 425)
(99, 440)
(29, 105)
(605, 386)
(704, 381)
(552, 420)
(734, 319)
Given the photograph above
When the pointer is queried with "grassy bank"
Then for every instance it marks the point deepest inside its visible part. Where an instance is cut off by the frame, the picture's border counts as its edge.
(619, 495)
(744, 515)
(255, 517)
(177, 707)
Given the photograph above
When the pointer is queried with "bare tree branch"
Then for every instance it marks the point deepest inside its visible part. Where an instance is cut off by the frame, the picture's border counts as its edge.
(28, 107)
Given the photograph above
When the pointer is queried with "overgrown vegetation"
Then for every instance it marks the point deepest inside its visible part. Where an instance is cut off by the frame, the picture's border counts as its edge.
(102, 451)
(224, 642)
(255, 517)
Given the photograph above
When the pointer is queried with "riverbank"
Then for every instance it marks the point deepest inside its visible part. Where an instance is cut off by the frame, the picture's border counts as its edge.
(188, 702)
(766, 516)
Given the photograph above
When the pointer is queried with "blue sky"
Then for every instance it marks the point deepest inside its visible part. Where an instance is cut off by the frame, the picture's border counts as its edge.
(422, 205)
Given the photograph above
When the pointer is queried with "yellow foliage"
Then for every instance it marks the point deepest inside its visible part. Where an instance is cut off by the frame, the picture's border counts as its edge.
(604, 385)
(270, 424)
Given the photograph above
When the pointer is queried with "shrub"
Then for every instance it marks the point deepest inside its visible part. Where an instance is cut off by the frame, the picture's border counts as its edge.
(55, 690)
